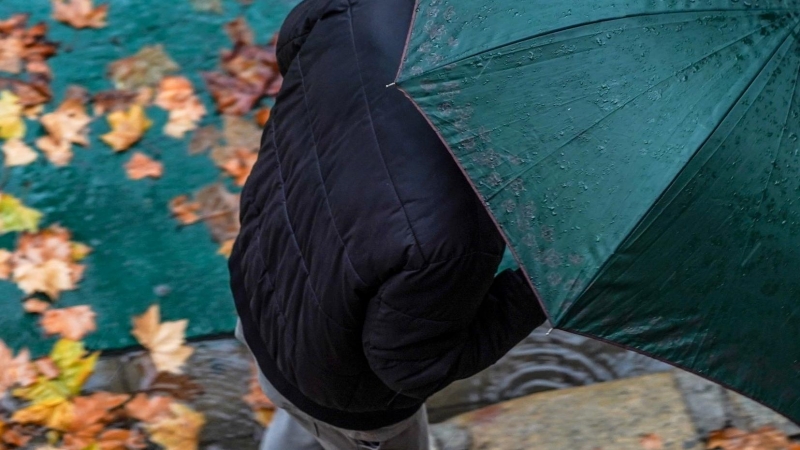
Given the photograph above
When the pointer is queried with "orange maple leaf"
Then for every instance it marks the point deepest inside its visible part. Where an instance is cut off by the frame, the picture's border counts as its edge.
(165, 341)
(184, 210)
(72, 323)
(262, 116)
(148, 409)
(141, 166)
(240, 166)
(15, 370)
(176, 95)
(764, 438)
(80, 13)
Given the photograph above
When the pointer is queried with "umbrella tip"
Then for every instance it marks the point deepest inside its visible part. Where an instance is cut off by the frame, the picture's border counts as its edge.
(390, 85)
(549, 331)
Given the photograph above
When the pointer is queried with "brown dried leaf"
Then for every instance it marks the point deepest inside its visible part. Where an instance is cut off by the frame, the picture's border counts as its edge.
(57, 152)
(180, 387)
(141, 166)
(11, 49)
(14, 435)
(184, 210)
(33, 93)
(145, 68)
(91, 415)
(240, 132)
(203, 139)
(80, 13)
(68, 123)
(239, 31)
(47, 367)
(240, 166)
(764, 438)
(232, 95)
(110, 101)
(49, 278)
(118, 439)
(220, 210)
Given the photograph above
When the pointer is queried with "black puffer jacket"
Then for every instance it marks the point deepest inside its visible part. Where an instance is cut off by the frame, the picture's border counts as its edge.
(364, 270)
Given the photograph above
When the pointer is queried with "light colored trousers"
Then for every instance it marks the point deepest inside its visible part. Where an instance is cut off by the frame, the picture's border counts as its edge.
(292, 429)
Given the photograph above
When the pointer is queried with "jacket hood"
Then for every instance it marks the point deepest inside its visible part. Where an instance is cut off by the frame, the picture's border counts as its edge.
(299, 24)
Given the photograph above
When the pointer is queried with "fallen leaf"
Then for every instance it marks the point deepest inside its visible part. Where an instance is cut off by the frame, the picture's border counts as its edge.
(11, 48)
(165, 341)
(14, 435)
(203, 139)
(79, 251)
(55, 413)
(652, 442)
(148, 409)
(176, 95)
(80, 13)
(180, 387)
(6, 265)
(31, 94)
(127, 127)
(57, 152)
(35, 306)
(239, 31)
(15, 370)
(178, 431)
(141, 166)
(262, 116)
(120, 100)
(47, 367)
(72, 323)
(231, 95)
(240, 165)
(241, 133)
(184, 210)
(68, 122)
(145, 68)
(220, 210)
(226, 248)
(49, 278)
(14, 216)
(12, 126)
(214, 6)
(118, 439)
(764, 438)
(17, 153)
(91, 415)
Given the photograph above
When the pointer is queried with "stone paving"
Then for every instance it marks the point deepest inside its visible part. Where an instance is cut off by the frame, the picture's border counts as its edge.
(679, 407)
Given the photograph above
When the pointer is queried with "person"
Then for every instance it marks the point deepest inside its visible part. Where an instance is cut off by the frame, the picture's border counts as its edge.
(364, 271)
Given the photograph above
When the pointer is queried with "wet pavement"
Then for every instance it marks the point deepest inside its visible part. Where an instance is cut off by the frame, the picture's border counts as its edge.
(565, 401)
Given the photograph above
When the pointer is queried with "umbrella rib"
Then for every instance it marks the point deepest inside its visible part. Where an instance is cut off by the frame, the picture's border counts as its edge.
(465, 56)
(780, 144)
(619, 108)
(635, 231)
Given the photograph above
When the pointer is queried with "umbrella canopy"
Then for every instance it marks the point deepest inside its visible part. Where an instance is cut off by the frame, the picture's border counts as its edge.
(642, 160)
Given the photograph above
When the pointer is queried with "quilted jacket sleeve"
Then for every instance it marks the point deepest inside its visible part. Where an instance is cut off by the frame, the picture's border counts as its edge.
(447, 321)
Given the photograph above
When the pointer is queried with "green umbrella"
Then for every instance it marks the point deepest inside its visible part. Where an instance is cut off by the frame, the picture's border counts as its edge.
(642, 160)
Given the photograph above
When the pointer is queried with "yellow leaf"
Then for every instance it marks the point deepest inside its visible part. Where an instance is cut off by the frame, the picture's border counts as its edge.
(11, 124)
(17, 153)
(76, 367)
(79, 251)
(55, 413)
(179, 431)
(165, 341)
(14, 216)
(127, 127)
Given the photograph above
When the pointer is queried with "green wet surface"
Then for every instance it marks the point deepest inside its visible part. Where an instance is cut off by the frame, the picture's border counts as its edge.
(642, 158)
(139, 250)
